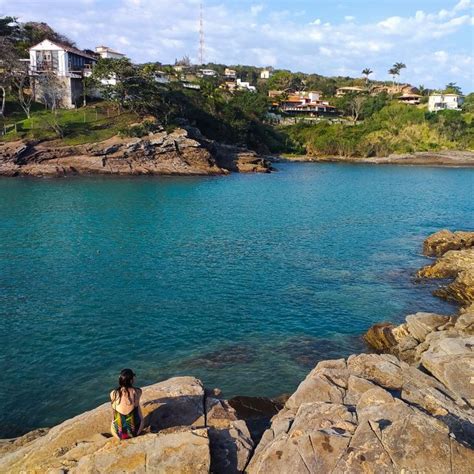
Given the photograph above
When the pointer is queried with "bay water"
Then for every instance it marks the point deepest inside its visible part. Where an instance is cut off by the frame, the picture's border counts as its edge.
(245, 281)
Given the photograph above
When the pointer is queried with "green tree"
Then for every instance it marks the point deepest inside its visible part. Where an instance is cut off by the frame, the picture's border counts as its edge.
(452, 88)
(367, 72)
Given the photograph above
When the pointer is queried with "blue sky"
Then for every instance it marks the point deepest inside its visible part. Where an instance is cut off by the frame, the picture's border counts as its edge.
(434, 38)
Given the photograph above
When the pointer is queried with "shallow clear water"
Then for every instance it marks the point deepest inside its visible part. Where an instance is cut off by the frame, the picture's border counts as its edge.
(245, 281)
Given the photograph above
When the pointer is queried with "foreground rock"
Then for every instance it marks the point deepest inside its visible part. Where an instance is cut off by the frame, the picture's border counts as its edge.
(186, 431)
(369, 414)
(181, 152)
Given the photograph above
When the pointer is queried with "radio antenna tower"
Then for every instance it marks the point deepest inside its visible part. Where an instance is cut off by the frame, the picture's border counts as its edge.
(201, 36)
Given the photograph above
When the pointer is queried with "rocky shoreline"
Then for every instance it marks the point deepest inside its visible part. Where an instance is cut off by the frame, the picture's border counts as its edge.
(184, 151)
(406, 408)
(450, 158)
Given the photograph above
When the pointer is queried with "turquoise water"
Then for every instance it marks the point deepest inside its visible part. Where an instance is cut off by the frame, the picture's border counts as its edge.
(245, 281)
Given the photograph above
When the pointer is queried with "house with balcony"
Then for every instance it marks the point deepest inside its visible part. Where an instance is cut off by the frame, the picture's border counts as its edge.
(440, 101)
(70, 66)
(302, 103)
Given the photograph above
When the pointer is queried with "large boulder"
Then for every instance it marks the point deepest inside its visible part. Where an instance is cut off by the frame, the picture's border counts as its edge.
(173, 403)
(184, 451)
(439, 243)
(380, 423)
(187, 430)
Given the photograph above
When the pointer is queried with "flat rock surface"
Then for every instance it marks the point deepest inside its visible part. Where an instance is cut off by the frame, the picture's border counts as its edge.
(367, 420)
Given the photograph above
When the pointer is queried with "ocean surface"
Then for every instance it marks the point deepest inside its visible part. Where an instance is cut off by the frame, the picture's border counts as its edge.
(244, 281)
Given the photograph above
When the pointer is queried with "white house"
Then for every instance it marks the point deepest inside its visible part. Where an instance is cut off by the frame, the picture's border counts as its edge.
(68, 64)
(207, 73)
(441, 101)
(243, 85)
(265, 74)
(108, 53)
(230, 73)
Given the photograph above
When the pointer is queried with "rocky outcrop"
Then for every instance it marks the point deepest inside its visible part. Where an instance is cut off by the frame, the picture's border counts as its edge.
(369, 414)
(187, 430)
(377, 413)
(180, 152)
(440, 242)
(440, 344)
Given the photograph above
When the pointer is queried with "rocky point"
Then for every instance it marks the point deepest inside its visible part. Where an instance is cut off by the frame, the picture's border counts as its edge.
(407, 408)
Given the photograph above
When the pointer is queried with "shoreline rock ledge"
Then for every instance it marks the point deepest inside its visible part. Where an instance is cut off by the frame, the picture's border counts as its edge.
(407, 408)
(183, 151)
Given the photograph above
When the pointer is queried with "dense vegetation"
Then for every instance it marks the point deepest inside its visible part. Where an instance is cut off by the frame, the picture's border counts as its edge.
(395, 128)
(367, 125)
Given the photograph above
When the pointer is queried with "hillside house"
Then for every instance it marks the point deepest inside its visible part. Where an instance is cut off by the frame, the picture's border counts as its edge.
(230, 73)
(307, 103)
(437, 102)
(108, 53)
(411, 99)
(265, 74)
(342, 91)
(68, 64)
(207, 73)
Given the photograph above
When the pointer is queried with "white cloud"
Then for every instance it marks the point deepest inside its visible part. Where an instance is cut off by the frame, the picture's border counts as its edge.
(240, 34)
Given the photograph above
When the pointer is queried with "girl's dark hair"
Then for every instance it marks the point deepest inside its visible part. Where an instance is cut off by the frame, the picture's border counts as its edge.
(125, 384)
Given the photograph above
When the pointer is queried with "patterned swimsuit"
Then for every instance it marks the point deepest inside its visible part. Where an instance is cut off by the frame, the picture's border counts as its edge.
(127, 426)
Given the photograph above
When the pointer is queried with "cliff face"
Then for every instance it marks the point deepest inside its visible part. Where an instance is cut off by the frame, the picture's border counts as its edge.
(407, 410)
(181, 152)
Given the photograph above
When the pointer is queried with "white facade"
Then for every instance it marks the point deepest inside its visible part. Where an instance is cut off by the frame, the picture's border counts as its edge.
(208, 72)
(108, 53)
(68, 64)
(438, 102)
(245, 85)
(265, 74)
(60, 59)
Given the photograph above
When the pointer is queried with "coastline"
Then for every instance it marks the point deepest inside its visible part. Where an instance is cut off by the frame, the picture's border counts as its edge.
(417, 384)
(182, 152)
(446, 159)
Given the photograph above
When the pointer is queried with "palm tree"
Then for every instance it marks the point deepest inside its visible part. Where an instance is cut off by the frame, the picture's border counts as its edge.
(394, 72)
(367, 72)
(399, 67)
(422, 89)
